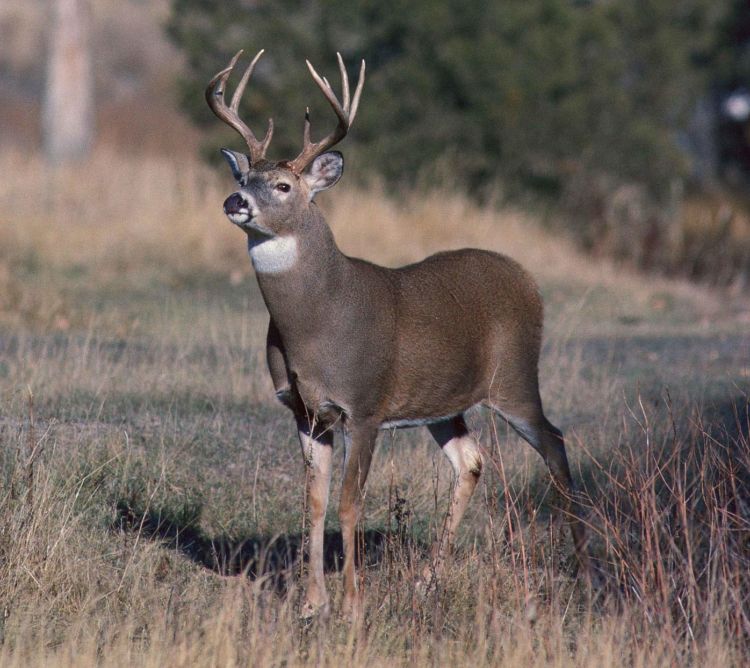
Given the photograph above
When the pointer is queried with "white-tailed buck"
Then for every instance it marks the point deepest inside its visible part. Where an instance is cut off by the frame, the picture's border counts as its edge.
(371, 348)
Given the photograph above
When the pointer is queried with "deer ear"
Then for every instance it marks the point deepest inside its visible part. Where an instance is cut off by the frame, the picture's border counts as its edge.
(239, 163)
(324, 172)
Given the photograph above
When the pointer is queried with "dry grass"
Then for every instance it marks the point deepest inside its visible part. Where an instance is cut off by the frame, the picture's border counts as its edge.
(141, 216)
(151, 497)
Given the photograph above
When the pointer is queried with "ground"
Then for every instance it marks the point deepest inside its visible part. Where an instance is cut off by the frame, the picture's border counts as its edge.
(152, 503)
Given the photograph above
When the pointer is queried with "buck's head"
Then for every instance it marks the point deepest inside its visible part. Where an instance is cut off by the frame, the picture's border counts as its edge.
(273, 195)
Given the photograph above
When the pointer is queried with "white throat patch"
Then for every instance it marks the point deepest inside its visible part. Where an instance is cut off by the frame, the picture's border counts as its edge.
(273, 256)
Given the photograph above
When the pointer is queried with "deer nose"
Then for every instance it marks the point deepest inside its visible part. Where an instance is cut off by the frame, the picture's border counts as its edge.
(235, 203)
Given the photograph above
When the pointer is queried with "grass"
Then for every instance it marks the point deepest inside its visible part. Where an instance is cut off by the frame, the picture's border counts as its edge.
(152, 488)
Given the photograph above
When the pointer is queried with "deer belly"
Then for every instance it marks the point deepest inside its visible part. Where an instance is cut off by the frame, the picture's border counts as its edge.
(433, 394)
(319, 403)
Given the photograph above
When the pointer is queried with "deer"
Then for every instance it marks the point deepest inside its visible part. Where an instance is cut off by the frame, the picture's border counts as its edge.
(361, 348)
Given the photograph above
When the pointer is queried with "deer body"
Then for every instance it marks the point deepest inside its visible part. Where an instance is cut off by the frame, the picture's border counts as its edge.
(368, 347)
(362, 341)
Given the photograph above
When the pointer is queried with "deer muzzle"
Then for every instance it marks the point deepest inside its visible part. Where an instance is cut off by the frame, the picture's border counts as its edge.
(237, 208)
(241, 209)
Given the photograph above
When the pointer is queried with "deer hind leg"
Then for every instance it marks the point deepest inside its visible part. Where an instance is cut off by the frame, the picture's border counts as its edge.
(531, 424)
(317, 451)
(461, 449)
(360, 445)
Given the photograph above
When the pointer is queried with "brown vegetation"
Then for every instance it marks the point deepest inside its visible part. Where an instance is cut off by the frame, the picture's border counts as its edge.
(152, 488)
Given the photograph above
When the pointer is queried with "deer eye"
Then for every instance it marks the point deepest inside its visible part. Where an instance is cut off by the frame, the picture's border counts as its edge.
(283, 187)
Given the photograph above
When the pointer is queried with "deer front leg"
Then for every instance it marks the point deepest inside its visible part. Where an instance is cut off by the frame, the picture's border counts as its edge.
(360, 445)
(461, 449)
(317, 450)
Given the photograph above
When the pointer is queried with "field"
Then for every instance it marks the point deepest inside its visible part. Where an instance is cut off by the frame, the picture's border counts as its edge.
(152, 508)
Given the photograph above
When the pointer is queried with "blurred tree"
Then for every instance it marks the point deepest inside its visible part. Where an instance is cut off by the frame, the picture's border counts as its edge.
(539, 93)
(733, 84)
(68, 107)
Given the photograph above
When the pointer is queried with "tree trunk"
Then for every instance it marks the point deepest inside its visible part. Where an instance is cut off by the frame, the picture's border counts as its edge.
(68, 113)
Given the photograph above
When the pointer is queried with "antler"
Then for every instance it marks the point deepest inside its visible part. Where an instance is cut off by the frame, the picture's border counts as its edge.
(345, 113)
(230, 115)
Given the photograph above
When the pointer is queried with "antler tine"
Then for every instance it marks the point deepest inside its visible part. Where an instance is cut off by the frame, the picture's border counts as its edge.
(230, 115)
(217, 84)
(357, 93)
(234, 106)
(344, 81)
(345, 114)
(306, 130)
(327, 91)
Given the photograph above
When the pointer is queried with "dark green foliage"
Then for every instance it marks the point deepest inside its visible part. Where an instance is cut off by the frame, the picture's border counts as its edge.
(530, 91)
(733, 73)
(733, 53)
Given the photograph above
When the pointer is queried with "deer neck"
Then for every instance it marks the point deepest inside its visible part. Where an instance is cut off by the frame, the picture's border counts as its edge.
(299, 272)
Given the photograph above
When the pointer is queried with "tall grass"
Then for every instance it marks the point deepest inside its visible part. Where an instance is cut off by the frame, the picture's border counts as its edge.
(117, 212)
(151, 505)
(668, 518)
